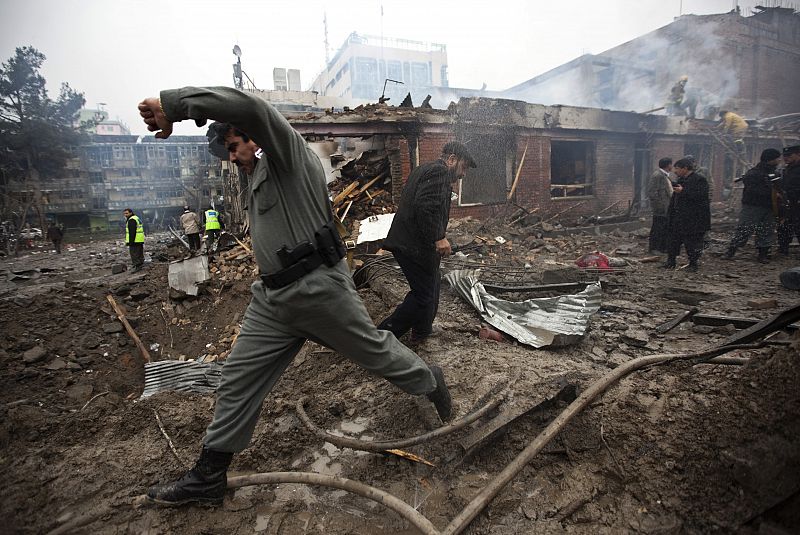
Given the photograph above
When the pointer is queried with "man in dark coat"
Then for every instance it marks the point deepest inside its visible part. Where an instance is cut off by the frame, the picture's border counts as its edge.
(690, 215)
(417, 238)
(659, 191)
(55, 235)
(757, 215)
(790, 184)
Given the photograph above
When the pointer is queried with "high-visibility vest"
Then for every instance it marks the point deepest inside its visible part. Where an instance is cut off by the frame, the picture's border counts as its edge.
(212, 220)
(139, 238)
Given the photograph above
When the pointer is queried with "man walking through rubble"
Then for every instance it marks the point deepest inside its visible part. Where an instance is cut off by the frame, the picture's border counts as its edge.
(134, 238)
(689, 215)
(305, 290)
(757, 215)
(417, 239)
(659, 191)
(212, 226)
(190, 222)
(790, 184)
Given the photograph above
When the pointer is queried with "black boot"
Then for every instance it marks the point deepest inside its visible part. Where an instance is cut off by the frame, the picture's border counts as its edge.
(205, 483)
(669, 264)
(763, 255)
(441, 396)
(729, 253)
(693, 267)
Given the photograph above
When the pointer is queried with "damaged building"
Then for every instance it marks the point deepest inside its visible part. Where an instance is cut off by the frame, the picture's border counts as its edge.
(567, 159)
(742, 63)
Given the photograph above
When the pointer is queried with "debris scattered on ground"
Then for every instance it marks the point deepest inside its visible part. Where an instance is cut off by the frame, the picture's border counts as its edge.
(705, 448)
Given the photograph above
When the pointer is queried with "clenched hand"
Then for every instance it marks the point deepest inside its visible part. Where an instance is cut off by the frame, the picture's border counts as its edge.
(154, 118)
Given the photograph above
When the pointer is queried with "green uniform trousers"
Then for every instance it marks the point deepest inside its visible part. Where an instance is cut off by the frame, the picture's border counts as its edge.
(324, 307)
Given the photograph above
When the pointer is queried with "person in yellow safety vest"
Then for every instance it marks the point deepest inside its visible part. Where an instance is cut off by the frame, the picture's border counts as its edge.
(212, 225)
(735, 127)
(134, 238)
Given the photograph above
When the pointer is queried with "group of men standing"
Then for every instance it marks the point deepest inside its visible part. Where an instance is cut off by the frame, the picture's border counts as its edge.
(770, 203)
(680, 197)
(192, 226)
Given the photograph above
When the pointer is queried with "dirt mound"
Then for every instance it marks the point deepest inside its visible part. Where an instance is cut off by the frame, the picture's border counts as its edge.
(671, 449)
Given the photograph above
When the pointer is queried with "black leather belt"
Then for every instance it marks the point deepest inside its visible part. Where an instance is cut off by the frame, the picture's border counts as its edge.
(307, 257)
(288, 275)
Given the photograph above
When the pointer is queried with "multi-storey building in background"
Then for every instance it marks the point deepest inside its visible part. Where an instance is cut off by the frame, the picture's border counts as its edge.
(362, 65)
(154, 177)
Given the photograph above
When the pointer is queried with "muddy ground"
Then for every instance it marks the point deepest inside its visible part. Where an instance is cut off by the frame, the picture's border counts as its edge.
(671, 449)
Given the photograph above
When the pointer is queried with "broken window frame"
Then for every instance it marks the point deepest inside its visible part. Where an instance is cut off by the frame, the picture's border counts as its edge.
(502, 183)
(589, 172)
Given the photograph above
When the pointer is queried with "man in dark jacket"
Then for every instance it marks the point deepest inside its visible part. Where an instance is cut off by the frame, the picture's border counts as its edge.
(418, 239)
(790, 184)
(757, 215)
(659, 191)
(690, 215)
(55, 235)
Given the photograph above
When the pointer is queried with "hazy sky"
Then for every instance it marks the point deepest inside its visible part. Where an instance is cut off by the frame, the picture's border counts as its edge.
(119, 51)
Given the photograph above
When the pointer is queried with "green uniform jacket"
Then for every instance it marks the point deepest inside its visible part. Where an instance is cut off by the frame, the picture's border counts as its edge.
(288, 198)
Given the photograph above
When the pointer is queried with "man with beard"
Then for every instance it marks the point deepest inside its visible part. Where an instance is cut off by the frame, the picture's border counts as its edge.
(418, 241)
(305, 291)
(757, 215)
(690, 215)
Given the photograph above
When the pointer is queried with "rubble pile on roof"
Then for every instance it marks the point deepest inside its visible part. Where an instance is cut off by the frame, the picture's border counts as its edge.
(363, 187)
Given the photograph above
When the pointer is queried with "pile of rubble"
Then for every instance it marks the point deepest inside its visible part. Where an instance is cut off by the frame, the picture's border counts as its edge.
(363, 187)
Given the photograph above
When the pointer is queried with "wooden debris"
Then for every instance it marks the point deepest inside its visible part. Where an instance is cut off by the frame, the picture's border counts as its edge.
(360, 190)
(169, 440)
(410, 457)
(649, 259)
(128, 328)
(674, 322)
(94, 398)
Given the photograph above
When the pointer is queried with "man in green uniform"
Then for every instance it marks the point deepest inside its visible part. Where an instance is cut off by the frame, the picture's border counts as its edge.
(305, 291)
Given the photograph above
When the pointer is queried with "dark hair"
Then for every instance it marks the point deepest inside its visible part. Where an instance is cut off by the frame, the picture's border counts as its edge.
(794, 149)
(684, 163)
(664, 162)
(128, 210)
(216, 138)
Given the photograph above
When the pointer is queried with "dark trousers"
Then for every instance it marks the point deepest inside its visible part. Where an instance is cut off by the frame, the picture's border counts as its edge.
(57, 245)
(754, 219)
(692, 241)
(211, 239)
(789, 228)
(659, 233)
(194, 241)
(137, 254)
(418, 309)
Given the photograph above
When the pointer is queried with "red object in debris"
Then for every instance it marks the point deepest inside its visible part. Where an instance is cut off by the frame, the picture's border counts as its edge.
(490, 334)
(594, 260)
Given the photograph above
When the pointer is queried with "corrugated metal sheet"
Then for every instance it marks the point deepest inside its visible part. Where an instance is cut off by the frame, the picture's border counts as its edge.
(184, 376)
(540, 322)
